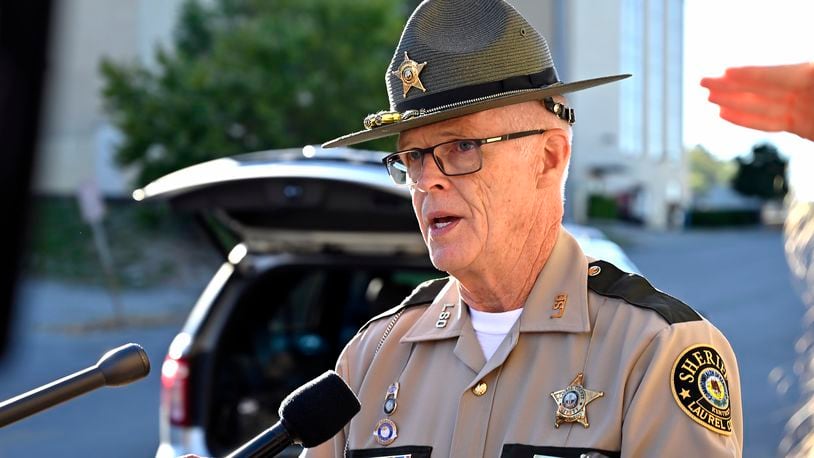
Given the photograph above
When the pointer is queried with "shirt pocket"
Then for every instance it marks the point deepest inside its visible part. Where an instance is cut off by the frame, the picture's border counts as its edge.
(533, 451)
(407, 451)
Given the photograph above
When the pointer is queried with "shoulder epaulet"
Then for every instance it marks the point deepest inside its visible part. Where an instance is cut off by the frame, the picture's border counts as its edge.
(611, 282)
(422, 294)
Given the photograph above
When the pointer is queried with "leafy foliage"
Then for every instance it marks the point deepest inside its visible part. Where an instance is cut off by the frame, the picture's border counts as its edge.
(763, 174)
(248, 75)
(706, 171)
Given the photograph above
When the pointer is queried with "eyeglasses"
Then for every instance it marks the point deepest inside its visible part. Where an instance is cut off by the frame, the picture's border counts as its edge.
(453, 158)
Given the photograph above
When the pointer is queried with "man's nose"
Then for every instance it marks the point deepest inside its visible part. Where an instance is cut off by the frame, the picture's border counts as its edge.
(431, 176)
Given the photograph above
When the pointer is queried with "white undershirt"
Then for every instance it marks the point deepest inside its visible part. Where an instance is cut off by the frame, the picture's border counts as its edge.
(491, 328)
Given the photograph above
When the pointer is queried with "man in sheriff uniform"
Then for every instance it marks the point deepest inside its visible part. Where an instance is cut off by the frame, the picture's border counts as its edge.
(528, 348)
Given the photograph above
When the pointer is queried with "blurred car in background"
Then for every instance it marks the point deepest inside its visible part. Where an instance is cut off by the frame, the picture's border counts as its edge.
(314, 243)
(596, 245)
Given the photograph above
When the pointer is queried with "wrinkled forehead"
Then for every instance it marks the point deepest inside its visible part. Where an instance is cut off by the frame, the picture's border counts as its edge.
(463, 127)
(495, 121)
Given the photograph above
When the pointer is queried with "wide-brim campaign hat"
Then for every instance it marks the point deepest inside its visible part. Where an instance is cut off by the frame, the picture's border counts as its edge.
(457, 57)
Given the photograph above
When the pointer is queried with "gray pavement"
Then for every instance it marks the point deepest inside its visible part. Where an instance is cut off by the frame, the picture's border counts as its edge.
(737, 278)
(65, 328)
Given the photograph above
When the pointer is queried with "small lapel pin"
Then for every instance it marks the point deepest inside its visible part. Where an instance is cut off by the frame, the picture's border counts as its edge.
(559, 305)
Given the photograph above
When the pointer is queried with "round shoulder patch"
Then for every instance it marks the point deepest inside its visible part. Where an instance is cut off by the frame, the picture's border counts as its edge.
(700, 388)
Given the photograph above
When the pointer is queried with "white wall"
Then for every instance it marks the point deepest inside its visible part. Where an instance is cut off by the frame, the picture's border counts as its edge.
(75, 136)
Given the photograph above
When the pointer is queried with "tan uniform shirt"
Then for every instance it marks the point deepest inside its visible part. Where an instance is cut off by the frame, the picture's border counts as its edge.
(668, 378)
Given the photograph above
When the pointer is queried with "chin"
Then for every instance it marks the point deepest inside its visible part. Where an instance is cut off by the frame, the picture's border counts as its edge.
(447, 260)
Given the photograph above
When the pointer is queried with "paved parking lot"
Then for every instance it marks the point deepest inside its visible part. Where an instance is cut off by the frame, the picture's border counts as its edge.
(65, 328)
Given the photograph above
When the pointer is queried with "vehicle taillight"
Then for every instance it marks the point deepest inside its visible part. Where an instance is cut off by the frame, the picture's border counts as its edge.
(174, 390)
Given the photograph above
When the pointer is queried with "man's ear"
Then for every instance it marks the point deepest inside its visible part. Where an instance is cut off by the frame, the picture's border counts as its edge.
(555, 160)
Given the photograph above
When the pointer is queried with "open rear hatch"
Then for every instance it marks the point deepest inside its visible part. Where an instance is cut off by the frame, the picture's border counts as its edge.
(295, 200)
(358, 251)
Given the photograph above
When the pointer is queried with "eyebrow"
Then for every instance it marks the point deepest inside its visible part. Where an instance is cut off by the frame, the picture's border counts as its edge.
(453, 134)
(449, 134)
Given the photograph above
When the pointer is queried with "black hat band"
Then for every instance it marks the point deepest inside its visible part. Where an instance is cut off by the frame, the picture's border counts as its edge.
(539, 80)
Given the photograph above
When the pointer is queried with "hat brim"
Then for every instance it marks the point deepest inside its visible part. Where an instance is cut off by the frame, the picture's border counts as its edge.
(474, 107)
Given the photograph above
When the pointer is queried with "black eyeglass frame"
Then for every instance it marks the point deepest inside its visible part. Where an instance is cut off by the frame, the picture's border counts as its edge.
(389, 160)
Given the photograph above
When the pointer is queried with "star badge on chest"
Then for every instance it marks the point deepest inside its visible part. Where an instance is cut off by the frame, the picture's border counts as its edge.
(572, 402)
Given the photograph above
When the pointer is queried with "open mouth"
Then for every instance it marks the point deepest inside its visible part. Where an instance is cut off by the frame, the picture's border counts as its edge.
(441, 224)
(443, 221)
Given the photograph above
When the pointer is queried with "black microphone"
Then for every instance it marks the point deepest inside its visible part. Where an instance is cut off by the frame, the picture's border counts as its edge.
(119, 366)
(310, 415)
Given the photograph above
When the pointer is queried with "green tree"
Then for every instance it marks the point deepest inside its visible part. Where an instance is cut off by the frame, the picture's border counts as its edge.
(763, 174)
(248, 75)
(707, 171)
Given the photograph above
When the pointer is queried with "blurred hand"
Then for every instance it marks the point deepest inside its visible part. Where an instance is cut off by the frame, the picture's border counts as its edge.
(770, 98)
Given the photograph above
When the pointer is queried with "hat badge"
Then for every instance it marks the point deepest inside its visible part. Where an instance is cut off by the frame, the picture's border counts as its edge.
(408, 73)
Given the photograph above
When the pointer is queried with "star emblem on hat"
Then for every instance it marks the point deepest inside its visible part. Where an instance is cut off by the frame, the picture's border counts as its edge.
(408, 73)
(572, 401)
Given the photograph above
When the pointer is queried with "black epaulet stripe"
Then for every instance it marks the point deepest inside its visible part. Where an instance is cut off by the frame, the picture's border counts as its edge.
(422, 294)
(635, 290)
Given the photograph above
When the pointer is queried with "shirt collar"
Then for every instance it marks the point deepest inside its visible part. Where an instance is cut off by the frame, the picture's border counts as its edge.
(434, 323)
(558, 301)
(562, 282)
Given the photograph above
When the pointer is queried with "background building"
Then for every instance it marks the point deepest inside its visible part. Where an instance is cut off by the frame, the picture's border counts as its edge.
(628, 135)
(76, 143)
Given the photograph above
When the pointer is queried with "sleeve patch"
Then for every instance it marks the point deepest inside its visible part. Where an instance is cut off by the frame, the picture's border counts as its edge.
(700, 388)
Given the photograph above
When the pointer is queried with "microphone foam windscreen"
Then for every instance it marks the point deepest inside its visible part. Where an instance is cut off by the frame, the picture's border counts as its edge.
(316, 411)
